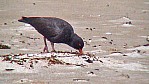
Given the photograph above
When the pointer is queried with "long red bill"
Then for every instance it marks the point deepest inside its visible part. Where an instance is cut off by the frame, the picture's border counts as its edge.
(81, 52)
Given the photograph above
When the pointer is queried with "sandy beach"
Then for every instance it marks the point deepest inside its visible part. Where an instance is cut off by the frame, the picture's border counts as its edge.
(116, 32)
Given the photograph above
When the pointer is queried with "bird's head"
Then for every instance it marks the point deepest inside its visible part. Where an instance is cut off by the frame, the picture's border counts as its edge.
(77, 43)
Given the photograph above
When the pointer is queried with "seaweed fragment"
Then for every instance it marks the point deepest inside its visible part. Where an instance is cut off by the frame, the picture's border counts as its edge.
(4, 46)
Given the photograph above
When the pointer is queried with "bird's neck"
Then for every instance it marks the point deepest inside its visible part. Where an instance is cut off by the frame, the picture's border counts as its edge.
(72, 38)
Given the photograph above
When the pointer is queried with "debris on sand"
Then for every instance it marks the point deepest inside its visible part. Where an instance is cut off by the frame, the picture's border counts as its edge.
(80, 80)
(53, 60)
(9, 69)
(22, 81)
(34, 61)
(4, 46)
(91, 73)
(125, 21)
(125, 75)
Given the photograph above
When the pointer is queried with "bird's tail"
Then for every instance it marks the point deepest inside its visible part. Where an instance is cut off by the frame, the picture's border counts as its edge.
(23, 19)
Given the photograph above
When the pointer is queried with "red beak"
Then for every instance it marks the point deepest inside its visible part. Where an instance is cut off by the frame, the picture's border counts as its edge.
(81, 52)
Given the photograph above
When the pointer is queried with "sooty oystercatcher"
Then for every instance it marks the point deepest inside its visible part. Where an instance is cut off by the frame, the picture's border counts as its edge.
(56, 30)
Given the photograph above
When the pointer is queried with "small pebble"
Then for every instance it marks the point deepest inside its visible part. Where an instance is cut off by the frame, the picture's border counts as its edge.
(146, 45)
(91, 29)
(76, 79)
(34, 3)
(89, 61)
(31, 65)
(2, 40)
(104, 37)
(90, 40)
(124, 55)
(128, 22)
(107, 5)
(22, 41)
(21, 34)
(5, 23)
(90, 72)
(110, 42)
(101, 61)
(94, 46)
(87, 28)
(97, 69)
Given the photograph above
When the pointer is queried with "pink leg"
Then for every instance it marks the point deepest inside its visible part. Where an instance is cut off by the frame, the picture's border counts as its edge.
(46, 47)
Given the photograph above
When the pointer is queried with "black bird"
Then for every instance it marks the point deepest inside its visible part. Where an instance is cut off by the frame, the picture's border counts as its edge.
(55, 30)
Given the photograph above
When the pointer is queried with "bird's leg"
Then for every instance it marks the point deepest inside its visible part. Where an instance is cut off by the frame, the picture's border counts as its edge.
(52, 45)
(46, 47)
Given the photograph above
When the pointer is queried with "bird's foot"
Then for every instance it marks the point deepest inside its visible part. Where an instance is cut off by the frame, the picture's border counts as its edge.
(46, 49)
(53, 51)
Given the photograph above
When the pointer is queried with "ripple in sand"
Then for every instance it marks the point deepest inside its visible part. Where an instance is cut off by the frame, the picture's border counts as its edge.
(140, 48)
(146, 3)
(121, 20)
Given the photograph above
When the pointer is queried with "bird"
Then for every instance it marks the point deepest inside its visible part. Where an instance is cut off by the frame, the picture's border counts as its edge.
(55, 30)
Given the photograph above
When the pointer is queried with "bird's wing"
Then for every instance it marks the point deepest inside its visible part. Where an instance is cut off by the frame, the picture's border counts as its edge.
(46, 27)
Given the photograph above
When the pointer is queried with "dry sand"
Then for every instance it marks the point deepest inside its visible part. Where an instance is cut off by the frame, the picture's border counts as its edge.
(102, 25)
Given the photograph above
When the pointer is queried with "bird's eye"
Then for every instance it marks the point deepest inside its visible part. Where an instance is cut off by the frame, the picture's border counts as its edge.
(79, 44)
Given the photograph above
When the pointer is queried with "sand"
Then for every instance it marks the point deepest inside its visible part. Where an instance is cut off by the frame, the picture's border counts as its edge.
(115, 31)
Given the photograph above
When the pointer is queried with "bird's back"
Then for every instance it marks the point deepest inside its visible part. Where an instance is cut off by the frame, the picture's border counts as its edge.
(50, 27)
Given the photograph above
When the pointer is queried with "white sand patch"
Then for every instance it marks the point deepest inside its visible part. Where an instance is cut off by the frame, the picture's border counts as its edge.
(80, 80)
(22, 81)
(146, 3)
(91, 74)
(15, 68)
(7, 44)
(134, 54)
(143, 36)
(15, 40)
(32, 63)
(68, 73)
(73, 60)
(115, 54)
(131, 66)
(98, 51)
(121, 20)
(108, 33)
(144, 11)
(121, 65)
(140, 48)
(100, 39)
(24, 49)
(96, 36)
(127, 25)
(26, 27)
(3, 10)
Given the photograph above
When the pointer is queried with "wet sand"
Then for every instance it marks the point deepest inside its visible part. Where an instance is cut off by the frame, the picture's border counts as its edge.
(105, 28)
